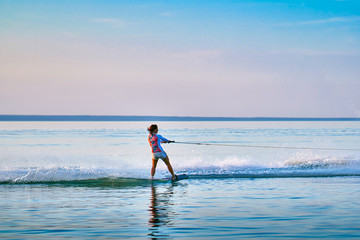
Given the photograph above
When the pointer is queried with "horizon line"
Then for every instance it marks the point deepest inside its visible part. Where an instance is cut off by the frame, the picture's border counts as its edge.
(55, 117)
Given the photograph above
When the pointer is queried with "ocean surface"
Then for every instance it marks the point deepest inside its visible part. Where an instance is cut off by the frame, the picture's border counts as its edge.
(248, 180)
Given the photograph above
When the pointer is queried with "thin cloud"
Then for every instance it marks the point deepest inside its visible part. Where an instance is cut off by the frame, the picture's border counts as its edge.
(166, 14)
(324, 21)
(111, 21)
(305, 52)
(207, 54)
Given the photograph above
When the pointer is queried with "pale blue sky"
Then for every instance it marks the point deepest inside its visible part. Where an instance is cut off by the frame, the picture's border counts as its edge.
(184, 58)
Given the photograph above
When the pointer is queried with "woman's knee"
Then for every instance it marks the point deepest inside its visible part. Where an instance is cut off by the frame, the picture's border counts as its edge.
(154, 162)
(167, 161)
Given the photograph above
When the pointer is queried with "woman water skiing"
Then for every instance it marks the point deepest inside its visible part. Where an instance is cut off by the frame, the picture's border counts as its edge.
(157, 151)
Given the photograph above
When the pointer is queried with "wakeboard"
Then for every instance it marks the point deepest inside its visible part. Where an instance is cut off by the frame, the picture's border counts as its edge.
(178, 178)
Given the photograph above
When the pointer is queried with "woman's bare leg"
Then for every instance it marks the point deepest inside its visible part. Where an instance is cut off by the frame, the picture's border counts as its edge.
(153, 168)
(167, 162)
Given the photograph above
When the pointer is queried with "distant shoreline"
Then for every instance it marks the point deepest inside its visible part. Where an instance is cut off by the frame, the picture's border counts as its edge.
(157, 118)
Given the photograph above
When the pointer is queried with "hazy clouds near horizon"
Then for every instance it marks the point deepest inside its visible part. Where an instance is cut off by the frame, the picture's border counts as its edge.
(250, 59)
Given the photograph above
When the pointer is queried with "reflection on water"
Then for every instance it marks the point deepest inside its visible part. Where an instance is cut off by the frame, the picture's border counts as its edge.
(161, 211)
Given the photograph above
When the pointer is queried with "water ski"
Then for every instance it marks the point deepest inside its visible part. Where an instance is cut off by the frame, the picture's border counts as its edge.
(178, 177)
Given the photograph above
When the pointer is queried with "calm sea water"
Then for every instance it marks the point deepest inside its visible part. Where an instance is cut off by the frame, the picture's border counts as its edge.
(90, 180)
